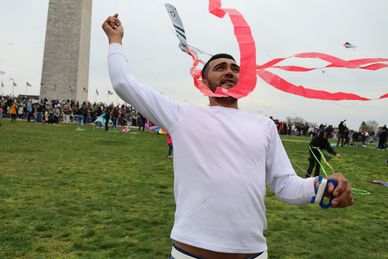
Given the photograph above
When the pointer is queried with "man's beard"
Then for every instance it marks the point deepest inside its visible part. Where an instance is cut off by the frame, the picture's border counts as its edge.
(228, 99)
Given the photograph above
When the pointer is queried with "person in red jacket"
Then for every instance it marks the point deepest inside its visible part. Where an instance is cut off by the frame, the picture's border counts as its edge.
(170, 147)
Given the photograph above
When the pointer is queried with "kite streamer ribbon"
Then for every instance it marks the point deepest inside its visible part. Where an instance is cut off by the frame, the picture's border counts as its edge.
(249, 69)
(283, 85)
(242, 31)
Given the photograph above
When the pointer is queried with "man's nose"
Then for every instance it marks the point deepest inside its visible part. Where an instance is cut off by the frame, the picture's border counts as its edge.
(229, 72)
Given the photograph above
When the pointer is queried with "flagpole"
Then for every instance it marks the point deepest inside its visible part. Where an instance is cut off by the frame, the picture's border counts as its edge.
(26, 88)
(2, 84)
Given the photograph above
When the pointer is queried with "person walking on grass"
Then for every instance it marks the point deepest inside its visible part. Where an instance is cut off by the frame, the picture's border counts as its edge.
(223, 159)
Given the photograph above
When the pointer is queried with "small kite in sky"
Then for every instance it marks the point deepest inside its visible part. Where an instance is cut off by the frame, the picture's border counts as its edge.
(349, 45)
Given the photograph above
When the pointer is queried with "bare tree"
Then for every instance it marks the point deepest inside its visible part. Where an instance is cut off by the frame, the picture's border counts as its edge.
(369, 126)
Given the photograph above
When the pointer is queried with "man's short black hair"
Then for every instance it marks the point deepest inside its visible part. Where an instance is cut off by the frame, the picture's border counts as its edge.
(217, 56)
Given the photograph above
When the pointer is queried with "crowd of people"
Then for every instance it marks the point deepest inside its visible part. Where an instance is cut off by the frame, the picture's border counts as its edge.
(342, 134)
(69, 111)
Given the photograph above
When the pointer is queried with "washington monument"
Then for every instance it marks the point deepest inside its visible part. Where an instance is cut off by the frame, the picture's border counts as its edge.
(65, 73)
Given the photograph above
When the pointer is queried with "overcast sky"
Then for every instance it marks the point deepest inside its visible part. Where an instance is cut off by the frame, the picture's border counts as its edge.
(281, 28)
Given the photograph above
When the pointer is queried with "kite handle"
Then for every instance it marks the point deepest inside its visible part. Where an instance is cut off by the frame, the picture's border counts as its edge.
(328, 205)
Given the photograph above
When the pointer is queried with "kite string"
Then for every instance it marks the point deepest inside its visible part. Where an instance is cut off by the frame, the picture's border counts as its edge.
(354, 190)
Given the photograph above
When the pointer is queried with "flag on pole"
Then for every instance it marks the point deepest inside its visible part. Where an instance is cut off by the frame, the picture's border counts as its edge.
(28, 84)
(2, 84)
(14, 84)
(109, 92)
(97, 92)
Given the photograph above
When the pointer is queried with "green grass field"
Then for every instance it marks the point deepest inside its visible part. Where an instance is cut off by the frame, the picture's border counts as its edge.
(97, 194)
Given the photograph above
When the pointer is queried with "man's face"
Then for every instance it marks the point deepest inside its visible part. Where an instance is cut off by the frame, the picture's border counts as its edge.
(223, 72)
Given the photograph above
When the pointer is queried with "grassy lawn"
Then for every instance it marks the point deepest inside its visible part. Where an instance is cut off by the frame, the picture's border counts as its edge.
(97, 194)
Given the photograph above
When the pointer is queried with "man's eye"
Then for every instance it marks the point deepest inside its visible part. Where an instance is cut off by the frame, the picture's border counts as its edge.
(219, 68)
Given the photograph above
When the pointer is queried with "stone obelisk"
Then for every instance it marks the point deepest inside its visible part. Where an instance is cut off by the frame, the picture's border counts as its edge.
(65, 73)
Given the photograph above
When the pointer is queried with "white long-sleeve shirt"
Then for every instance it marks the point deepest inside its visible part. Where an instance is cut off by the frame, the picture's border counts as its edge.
(223, 158)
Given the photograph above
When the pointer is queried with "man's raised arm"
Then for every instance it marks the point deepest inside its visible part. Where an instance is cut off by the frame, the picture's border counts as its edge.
(154, 106)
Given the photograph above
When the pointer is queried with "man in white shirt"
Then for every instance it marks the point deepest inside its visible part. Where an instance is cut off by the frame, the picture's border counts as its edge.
(223, 160)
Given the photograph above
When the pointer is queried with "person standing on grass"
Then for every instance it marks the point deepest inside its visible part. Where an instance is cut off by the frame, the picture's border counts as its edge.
(13, 111)
(1, 113)
(170, 146)
(383, 136)
(20, 111)
(318, 143)
(67, 112)
(40, 111)
(115, 116)
(141, 121)
(30, 112)
(341, 133)
(127, 117)
(80, 114)
(223, 158)
(107, 117)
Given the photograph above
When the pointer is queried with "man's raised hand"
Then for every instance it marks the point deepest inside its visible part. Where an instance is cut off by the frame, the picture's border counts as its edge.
(113, 29)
